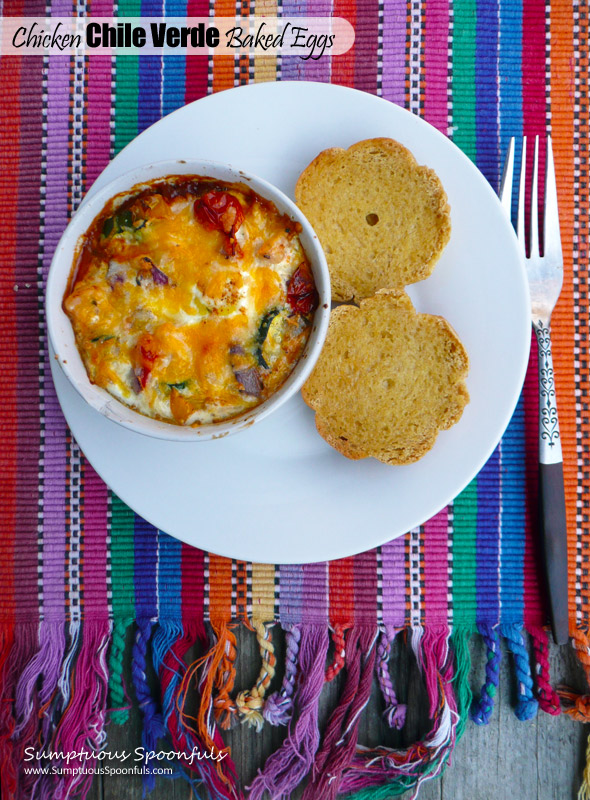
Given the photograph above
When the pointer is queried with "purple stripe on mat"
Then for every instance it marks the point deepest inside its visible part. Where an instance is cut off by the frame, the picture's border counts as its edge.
(315, 591)
(393, 558)
(145, 576)
(292, 67)
(149, 102)
(27, 304)
(318, 70)
(487, 92)
(56, 217)
(394, 51)
(290, 593)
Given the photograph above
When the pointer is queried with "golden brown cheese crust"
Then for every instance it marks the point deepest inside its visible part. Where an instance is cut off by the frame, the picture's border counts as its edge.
(191, 299)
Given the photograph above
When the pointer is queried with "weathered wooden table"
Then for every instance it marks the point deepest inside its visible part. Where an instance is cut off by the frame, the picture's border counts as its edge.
(505, 760)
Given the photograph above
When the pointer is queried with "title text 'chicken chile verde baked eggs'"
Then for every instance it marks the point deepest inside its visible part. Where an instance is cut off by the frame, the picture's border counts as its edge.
(191, 299)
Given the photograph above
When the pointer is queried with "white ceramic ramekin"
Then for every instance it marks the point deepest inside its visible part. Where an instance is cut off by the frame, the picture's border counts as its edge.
(61, 334)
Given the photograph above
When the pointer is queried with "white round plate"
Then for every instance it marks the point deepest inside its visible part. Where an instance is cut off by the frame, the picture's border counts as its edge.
(277, 493)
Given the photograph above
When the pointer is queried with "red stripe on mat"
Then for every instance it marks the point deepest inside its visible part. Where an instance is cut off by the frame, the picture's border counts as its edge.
(197, 67)
(10, 70)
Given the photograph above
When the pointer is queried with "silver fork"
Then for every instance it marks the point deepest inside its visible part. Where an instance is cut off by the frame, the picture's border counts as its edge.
(545, 275)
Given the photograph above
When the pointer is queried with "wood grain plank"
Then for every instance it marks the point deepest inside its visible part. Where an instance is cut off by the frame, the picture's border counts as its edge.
(474, 770)
(407, 683)
(517, 752)
(96, 789)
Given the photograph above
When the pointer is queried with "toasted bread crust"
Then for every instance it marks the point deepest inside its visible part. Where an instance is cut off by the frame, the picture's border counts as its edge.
(388, 380)
(383, 220)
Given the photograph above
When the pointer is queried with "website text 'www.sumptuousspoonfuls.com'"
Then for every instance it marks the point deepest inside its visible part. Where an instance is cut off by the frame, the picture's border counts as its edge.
(119, 762)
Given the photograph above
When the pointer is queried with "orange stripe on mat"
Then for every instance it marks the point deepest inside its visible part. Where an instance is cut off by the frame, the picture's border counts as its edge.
(223, 66)
(562, 124)
(220, 589)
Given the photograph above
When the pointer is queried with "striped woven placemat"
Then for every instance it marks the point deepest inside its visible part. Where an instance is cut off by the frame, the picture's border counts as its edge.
(77, 567)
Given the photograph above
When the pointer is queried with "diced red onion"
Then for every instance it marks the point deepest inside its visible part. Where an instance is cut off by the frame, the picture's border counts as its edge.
(249, 381)
(159, 277)
(134, 382)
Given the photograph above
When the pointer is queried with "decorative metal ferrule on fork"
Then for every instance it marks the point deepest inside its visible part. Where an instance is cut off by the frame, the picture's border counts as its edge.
(549, 438)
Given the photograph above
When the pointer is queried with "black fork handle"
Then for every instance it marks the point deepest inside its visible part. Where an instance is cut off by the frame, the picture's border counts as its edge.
(554, 545)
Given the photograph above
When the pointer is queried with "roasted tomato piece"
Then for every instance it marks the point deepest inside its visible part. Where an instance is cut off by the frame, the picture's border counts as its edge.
(220, 211)
(146, 354)
(302, 295)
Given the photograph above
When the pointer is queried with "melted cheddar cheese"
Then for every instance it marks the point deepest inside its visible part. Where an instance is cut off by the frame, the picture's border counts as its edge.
(190, 299)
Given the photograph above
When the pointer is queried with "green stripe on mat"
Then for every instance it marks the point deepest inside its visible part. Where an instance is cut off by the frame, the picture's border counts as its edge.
(122, 561)
(464, 40)
(464, 135)
(122, 600)
(126, 89)
(464, 557)
(122, 518)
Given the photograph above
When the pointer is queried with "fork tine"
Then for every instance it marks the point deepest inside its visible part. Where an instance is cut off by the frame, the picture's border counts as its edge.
(507, 180)
(534, 234)
(552, 238)
(521, 199)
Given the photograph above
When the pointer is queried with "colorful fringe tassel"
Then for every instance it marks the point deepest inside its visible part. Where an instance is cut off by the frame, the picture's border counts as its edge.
(63, 680)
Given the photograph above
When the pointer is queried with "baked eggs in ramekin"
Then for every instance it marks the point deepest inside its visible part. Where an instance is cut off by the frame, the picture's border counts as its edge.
(187, 300)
